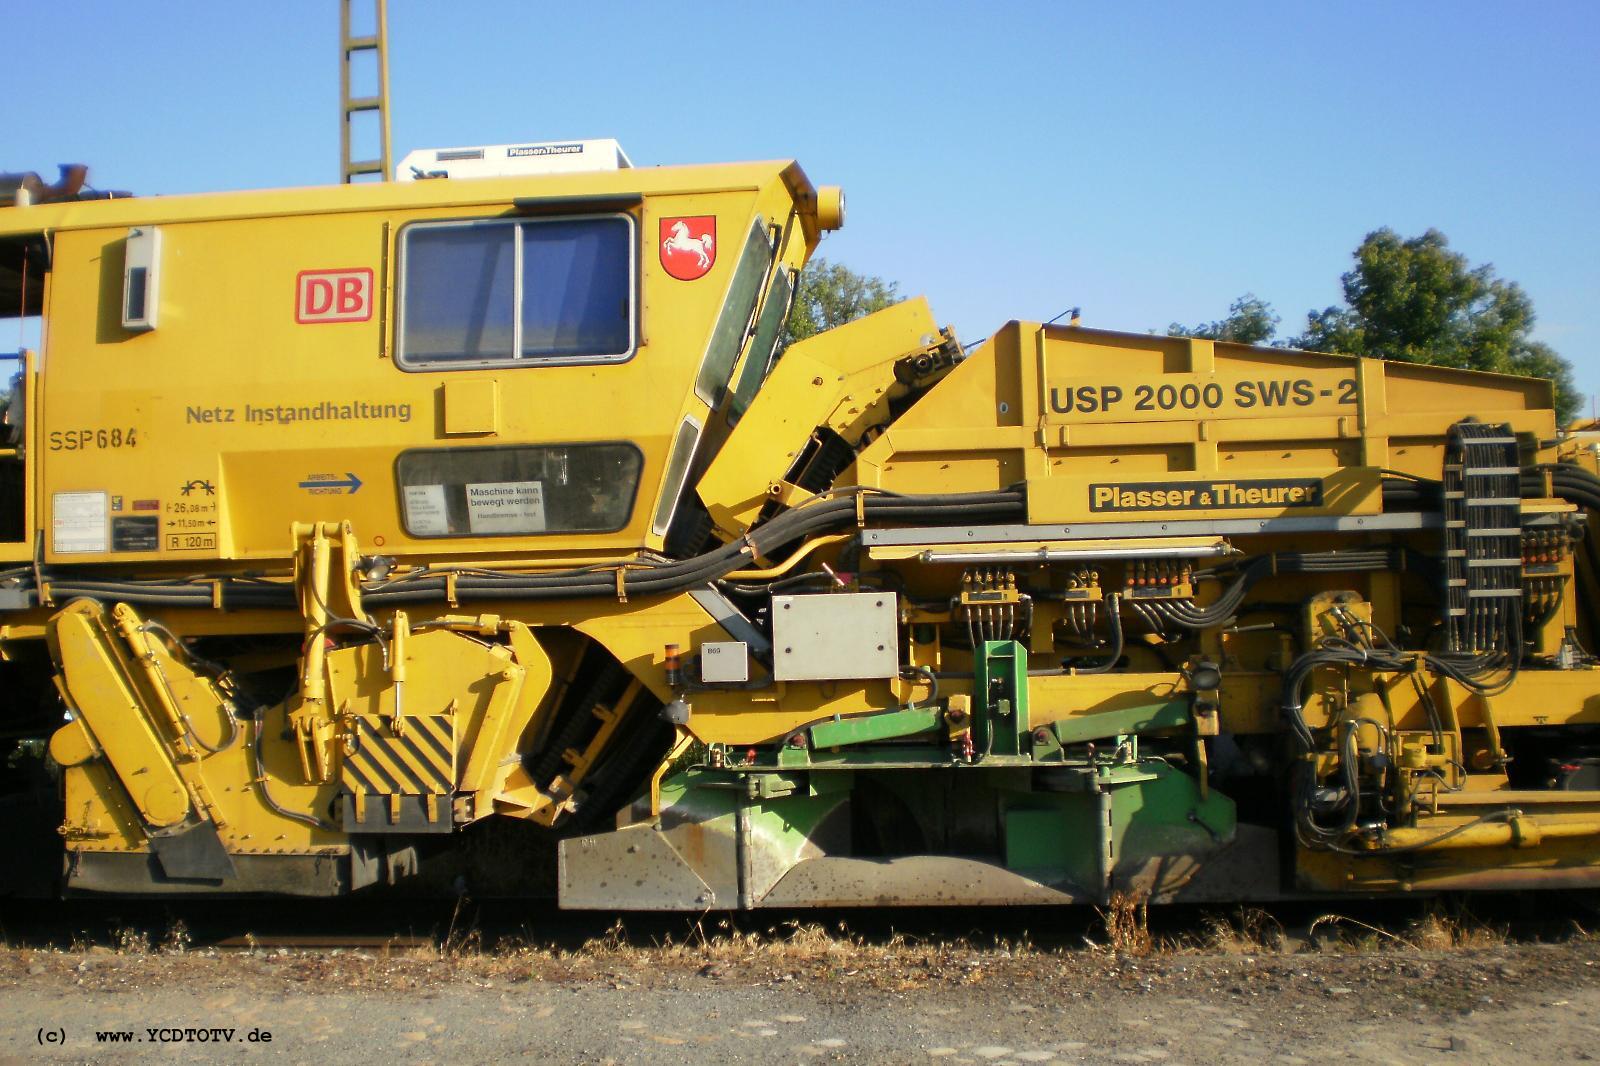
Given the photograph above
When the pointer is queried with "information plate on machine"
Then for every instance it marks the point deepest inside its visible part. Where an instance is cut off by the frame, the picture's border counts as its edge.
(506, 507)
(1169, 397)
(427, 514)
(1218, 494)
(835, 636)
(1255, 493)
(78, 522)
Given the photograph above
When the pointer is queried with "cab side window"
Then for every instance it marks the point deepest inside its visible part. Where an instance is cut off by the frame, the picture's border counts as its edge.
(733, 323)
(511, 292)
(518, 490)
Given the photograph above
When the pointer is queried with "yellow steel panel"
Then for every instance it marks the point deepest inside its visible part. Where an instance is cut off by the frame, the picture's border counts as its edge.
(507, 717)
(103, 694)
(73, 745)
(825, 380)
(471, 406)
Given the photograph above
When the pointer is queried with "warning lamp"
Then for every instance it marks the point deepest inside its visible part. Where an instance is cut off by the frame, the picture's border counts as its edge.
(830, 207)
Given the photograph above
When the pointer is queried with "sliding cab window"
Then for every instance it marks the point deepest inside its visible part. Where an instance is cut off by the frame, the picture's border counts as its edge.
(738, 308)
(518, 491)
(769, 327)
(515, 292)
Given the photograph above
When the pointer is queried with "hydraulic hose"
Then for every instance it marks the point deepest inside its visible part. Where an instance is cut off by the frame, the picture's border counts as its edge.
(822, 515)
(1567, 481)
(1114, 651)
(818, 517)
(1189, 616)
(685, 574)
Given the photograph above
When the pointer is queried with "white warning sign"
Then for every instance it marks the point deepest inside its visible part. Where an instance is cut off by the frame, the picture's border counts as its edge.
(506, 507)
(78, 522)
(426, 515)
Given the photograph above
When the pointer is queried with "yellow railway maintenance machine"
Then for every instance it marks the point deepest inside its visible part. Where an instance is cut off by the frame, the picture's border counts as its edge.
(356, 534)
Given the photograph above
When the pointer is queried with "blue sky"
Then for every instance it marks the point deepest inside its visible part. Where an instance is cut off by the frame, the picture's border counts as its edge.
(1148, 163)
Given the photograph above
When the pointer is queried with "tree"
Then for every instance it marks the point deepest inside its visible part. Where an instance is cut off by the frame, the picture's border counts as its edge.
(1415, 300)
(1250, 321)
(831, 295)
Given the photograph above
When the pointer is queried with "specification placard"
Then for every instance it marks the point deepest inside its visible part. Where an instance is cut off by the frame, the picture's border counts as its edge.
(78, 522)
(506, 507)
(426, 513)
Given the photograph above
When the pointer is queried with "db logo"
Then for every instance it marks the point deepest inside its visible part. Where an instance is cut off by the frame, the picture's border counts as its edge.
(333, 296)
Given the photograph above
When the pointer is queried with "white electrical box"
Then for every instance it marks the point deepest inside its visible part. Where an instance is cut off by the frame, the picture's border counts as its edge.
(141, 278)
(724, 661)
(842, 636)
(510, 160)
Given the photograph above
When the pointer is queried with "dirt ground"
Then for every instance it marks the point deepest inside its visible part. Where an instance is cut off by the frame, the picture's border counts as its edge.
(1429, 995)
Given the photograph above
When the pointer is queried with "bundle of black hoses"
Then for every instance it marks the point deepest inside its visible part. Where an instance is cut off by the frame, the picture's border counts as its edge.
(1468, 671)
(1186, 614)
(1571, 483)
(1567, 482)
(1344, 806)
(1340, 808)
(1116, 647)
(236, 594)
(645, 578)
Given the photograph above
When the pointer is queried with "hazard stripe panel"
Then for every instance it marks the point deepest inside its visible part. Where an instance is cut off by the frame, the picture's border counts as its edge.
(421, 761)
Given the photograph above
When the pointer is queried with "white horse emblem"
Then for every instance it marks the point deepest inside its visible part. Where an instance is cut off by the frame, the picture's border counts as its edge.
(681, 243)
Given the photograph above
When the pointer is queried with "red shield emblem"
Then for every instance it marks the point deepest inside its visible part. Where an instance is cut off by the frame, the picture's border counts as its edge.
(688, 245)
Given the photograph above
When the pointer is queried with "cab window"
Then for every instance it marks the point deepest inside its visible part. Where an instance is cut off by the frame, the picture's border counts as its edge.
(510, 292)
(733, 323)
(769, 325)
(517, 491)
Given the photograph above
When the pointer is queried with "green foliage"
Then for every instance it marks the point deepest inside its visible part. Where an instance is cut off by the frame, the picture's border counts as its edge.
(1250, 321)
(831, 295)
(1415, 300)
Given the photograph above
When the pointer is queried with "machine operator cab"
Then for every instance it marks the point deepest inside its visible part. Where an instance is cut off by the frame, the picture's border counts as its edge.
(515, 350)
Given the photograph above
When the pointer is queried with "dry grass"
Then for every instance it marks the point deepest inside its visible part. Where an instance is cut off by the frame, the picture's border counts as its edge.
(1440, 928)
(717, 946)
(177, 939)
(1455, 929)
(792, 942)
(1123, 955)
(1243, 931)
(1246, 931)
(131, 941)
(1127, 924)
(832, 950)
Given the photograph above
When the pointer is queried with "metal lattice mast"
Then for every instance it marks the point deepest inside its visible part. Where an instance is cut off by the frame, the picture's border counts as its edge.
(350, 106)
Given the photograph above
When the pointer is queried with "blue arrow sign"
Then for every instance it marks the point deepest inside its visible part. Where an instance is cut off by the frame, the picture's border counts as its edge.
(323, 483)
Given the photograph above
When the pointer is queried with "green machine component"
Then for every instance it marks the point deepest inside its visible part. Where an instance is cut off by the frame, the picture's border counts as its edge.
(1000, 688)
(1123, 824)
(868, 728)
(832, 837)
(1169, 714)
(724, 838)
(887, 805)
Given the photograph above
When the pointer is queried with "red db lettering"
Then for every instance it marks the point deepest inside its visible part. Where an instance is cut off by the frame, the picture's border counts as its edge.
(319, 296)
(350, 295)
(333, 296)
